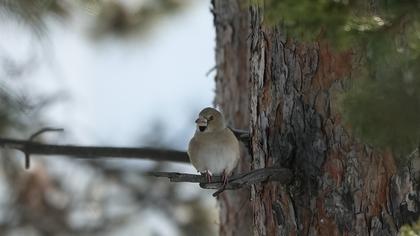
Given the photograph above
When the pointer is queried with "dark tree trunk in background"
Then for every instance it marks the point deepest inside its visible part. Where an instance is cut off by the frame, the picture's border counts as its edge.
(285, 93)
(232, 89)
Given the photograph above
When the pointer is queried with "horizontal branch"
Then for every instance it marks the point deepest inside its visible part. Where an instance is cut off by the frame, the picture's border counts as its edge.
(281, 175)
(30, 147)
(93, 152)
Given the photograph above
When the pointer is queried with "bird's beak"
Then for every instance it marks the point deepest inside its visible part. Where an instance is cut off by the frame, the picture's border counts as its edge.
(201, 123)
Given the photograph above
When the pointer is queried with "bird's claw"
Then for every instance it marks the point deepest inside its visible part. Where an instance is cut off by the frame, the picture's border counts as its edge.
(225, 179)
(208, 175)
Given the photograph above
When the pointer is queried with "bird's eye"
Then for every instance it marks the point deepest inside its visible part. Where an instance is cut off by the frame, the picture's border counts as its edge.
(210, 118)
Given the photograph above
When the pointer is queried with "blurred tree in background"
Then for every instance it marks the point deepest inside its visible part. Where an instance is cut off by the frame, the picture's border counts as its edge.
(87, 198)
(104, 17)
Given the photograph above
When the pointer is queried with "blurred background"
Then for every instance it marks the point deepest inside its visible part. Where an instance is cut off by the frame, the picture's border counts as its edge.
(110, 72)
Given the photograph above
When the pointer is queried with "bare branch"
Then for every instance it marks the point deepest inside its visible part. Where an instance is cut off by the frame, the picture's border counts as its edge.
(94, 152)
(282, 175)
(30, 147)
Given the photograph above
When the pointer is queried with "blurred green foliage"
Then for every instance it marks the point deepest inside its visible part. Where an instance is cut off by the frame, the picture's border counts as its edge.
(383, 104)
(113, 17)
(410, 230)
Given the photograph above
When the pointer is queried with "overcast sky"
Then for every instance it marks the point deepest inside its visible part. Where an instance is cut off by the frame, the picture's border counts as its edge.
(116, 89)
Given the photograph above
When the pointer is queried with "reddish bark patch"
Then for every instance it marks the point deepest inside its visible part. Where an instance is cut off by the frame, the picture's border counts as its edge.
(389, 163)
(325, 225)
(334, 167)
(266, 96)
(279, 115)
(376, 178)
(268, 196)
(332, 66)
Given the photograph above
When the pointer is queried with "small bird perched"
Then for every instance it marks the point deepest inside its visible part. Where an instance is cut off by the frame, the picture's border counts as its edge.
(214, 148)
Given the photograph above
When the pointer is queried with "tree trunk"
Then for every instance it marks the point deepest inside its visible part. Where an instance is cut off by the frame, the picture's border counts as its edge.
(232, 89)
(285, 93)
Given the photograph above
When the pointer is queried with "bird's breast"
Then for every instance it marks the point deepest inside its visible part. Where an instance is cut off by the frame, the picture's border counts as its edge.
(214, 153)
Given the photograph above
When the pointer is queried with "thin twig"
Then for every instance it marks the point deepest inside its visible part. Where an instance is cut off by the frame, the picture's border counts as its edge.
(281, 175)
(43, 130)
(211, 70)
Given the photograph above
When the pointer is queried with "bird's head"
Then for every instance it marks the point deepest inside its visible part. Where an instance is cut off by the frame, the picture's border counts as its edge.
(210, 120)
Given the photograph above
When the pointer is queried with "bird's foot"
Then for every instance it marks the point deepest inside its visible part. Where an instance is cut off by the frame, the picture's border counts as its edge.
(225, 179)
(208, 175)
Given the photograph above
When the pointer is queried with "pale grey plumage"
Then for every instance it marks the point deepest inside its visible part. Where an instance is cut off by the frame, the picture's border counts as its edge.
(214, 148)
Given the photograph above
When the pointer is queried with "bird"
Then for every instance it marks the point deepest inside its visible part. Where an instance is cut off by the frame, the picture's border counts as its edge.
(214, 149)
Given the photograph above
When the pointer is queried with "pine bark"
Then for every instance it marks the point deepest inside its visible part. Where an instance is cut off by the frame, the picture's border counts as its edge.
(285, 92)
